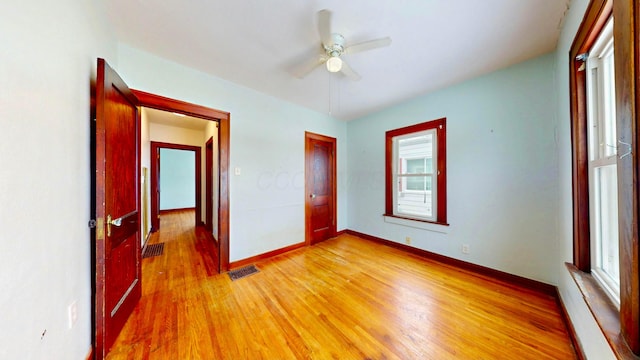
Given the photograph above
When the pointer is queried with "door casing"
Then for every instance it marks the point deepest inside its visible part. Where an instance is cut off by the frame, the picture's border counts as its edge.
(224, 129)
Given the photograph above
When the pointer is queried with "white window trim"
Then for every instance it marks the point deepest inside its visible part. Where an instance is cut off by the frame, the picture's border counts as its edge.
(597, 153)
(429, 226)
(434, 185)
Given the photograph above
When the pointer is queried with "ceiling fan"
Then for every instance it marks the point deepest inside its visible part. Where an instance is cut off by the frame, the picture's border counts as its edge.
(333, 47)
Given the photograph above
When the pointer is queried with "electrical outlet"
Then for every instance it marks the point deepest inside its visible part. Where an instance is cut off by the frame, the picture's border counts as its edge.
(73, 314)
(465, 249)
(407, 240)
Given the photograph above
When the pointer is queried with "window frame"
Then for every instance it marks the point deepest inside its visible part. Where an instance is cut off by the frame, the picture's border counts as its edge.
(602, 152)
(402, 175)
(620, 327)
(440, 172)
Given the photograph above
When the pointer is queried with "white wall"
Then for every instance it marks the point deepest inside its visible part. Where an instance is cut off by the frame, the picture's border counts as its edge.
(211, 131)
(588, 331)
(145, 162)
(501, 170)
(47, 64)
(175, 135)
(267, 144)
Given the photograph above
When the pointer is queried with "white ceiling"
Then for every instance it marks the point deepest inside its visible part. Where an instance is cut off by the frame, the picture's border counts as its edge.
(256, 43)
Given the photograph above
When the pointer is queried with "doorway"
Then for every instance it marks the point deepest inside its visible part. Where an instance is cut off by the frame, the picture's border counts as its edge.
(116, 170)
(156, 169)
(223, 140)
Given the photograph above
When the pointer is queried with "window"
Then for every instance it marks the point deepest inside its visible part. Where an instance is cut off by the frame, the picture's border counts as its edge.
(603, 177)
(416, 172)
(593, 177)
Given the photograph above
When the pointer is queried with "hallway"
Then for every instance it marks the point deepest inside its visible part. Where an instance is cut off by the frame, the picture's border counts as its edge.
(189, 257)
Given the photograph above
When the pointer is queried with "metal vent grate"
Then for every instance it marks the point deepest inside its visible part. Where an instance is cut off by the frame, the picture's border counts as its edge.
(243, 272)
(153, 250)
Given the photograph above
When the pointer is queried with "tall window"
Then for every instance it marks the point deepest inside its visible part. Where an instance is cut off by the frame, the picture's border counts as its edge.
(603, 178)
(416, 172)
(594, 143)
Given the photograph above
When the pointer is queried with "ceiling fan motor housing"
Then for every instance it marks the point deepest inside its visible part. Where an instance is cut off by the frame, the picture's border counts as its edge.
(336, 48)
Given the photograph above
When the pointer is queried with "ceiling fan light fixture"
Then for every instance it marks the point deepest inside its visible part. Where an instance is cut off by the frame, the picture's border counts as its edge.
(334, 64)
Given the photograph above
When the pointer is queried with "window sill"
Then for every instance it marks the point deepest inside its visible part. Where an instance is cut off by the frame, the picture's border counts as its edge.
(604, 311)
(418, 224)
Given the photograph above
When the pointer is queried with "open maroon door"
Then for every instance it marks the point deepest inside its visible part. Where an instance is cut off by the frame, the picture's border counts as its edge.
(117, 204)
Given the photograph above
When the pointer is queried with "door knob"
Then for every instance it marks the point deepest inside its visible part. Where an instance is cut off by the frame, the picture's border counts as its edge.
(115, 222)
(313, 196)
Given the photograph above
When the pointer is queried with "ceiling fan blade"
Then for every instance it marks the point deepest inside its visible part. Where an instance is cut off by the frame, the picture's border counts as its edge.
(368, 45)
(348, 72)
(303, 69)
(324, 26)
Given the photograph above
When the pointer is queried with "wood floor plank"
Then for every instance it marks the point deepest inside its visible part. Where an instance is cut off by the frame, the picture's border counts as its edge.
(345, 298)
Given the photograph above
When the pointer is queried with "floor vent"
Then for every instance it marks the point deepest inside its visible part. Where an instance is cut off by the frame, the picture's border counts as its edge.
(153, 250)
(243, 272)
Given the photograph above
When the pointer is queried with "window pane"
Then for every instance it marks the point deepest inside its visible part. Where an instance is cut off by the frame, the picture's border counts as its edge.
(415, 166)
(416, 203)
(429, 165)
(607, 221)
(609, 98)
(592, 110)
(415, 153)
(415, 183)
(603, 187)
(418, 182)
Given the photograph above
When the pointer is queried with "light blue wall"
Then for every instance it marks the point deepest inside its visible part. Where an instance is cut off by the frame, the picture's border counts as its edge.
(501, 170)
(177, 179)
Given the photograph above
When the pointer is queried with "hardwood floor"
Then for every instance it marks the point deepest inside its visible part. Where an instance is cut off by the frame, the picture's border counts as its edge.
(345, 298)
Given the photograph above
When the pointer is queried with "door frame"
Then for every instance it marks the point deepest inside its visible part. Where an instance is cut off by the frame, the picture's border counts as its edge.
(208, 190)
(308, 179)
(155, 180)
(224, 144)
